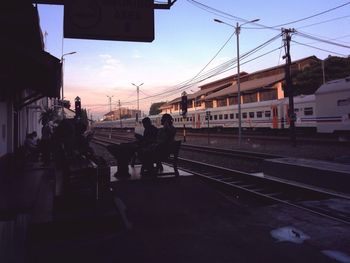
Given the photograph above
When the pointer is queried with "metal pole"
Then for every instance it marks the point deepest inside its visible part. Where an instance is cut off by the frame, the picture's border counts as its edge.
(62, 105)
(323, 73)
(120, 114)
(138, 101)
(237, 31)
(138, 93)
(287, 38)
(62, 81)
(208, 117)
(239, 90)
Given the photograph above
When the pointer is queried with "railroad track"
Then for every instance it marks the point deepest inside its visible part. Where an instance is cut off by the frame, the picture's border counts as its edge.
(301, 138)
(270, 189)
(229, 153)
(266, 188)
(205, 149)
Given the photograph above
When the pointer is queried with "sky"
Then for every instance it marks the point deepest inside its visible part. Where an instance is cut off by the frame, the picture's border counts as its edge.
(190, 49)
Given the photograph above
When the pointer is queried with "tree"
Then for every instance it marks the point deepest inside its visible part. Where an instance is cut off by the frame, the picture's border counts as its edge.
(307, 81)
(47, 115)
(84, 117)
(154, 109)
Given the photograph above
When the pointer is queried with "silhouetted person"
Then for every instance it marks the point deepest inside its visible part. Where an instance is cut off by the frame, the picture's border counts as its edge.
(31, 146)
(45, 142)
(149, 134)
(125, 151)
(63, 141)
(160, 149)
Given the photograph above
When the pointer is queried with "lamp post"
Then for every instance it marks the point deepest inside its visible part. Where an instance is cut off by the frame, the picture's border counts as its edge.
(110, 102)
(237, 31)
(62, 61)
(138, 92)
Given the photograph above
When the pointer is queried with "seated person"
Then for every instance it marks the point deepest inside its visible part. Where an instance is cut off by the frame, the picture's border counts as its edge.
(30, 144)
(149, 134)
(159, 150)
(125, 151)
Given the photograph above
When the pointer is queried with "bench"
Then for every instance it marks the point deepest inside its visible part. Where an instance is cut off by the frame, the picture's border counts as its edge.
(171, 156)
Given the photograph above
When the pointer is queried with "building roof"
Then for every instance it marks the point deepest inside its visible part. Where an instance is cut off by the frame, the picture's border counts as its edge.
(247, 85)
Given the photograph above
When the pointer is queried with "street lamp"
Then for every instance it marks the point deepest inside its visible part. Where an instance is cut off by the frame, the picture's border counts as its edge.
(237, 31)
(62, 61)
(138, 92)
(110, 102)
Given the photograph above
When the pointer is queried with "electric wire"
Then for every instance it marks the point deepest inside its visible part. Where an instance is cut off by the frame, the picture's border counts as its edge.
(321, 40)
(323, 22)
(230, 67)
(307, 45)
(309, 17)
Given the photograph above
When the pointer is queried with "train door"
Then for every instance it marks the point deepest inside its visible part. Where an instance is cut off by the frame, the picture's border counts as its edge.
(193, 121)
(274, 117)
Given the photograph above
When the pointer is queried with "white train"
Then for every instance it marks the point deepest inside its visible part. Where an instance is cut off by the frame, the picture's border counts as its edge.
(327, 111)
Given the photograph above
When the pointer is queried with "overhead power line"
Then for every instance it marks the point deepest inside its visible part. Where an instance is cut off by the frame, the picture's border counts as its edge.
(261, 26)
(307, 45)
(222, 68)
(309, 17)
(325, 21)
(321, 40)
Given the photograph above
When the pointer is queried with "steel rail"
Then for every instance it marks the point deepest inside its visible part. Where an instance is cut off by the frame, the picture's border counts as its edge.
(287, 193)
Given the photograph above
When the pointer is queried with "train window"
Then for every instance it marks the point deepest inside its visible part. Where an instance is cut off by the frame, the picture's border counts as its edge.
(190, 118)
(211, 117)
(215, 117)
(232, 115)
(225, 116)
(296, 110)
(267, 113)
(187, 119)
(259, 114)
(308, 111)
(237, 116)
(220, 116)
(251, 114)
(345, 102)
(244, 115)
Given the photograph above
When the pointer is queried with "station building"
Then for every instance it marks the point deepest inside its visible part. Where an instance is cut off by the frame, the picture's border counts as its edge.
(122, 113)
(262, 85)
(30, 78)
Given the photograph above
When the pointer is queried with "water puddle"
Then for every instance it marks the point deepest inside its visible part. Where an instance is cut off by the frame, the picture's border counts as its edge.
(337, 255)
(289, 234)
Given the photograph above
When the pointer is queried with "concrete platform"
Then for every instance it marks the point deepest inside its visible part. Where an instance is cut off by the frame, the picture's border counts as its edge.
(327, 175)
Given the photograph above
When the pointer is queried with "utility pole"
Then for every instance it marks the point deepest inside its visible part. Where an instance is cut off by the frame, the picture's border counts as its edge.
(120, 114)
(237, 32)
(323, 73)
(138, 93)
(110, 102)
(291, 114)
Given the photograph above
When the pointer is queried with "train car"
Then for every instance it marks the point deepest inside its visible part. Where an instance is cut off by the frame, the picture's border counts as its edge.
(304, 109)
(328, 111)
(333, 106)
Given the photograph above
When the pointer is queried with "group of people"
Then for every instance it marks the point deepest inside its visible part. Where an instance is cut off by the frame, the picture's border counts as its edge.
(150, 148)
(35, 147)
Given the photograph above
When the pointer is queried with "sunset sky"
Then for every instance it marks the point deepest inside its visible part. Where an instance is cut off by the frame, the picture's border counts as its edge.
(186, 40)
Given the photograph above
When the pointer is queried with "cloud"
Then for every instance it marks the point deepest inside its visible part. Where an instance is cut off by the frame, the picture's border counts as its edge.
(110, 66)
(136, 54)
